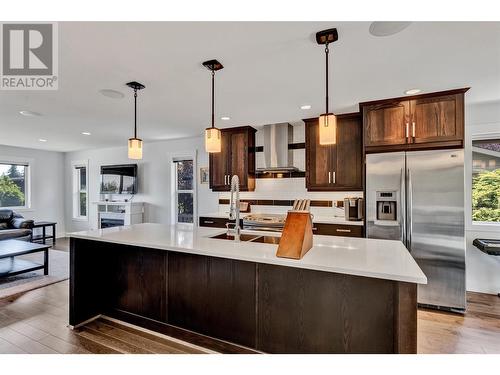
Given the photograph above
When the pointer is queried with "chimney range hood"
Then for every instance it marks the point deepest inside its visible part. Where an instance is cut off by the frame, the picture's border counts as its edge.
(277, 157)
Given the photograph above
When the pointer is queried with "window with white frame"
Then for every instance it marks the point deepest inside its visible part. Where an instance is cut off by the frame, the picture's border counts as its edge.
(486, 181)
(80, 191)
(14, 185)
(184, 191)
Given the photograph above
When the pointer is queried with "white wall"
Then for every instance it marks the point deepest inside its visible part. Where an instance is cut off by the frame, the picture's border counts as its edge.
(47, 184)
(483, 271)
(154, 178)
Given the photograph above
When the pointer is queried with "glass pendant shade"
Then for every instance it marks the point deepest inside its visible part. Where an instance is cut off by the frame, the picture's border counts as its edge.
(212, 140)
(327, 129)
(135, 148)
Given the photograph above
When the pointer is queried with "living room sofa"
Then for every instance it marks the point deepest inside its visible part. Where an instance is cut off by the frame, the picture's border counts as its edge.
(13, 226)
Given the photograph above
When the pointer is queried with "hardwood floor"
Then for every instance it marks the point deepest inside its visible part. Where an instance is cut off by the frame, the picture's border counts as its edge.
(477, 332)
(36, 322)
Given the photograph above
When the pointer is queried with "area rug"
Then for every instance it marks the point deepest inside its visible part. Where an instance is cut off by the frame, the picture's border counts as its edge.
(58, 271)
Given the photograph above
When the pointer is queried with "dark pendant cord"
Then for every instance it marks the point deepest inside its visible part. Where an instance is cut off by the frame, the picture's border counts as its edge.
(326, 56)
(135, 113)
(213, 98)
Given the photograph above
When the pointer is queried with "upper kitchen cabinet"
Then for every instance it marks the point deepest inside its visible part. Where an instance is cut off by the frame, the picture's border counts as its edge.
(336, 167)
(427, 121)
(385, 123)
(237, 157)
(437, 118)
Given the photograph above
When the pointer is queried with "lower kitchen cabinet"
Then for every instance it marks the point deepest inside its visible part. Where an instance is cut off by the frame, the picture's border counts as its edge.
(216, 222)
(338, 230)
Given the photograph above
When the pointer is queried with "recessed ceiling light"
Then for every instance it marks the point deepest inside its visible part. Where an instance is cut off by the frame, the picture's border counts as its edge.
(412, 91)
(29, 113)
(42, 140)
(305, 106)
(225, 118)
(387, 28)
(86, 133)
(111, 93)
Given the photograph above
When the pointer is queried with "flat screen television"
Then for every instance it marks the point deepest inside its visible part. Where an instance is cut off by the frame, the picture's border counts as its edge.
(119, 179)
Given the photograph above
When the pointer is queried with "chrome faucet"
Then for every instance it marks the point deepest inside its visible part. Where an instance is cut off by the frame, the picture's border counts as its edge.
(234, 208)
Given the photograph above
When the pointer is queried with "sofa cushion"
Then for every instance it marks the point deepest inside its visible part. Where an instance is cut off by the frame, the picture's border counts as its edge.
(4, 226)
(14, 233)
(6, 216)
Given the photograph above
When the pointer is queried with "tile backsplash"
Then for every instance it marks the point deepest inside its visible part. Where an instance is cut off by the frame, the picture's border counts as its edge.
(288, 189)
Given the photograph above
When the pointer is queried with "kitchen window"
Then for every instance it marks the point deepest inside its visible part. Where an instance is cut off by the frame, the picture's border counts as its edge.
(80, 191)
(184, 191)
(486, 181)
(14, 187)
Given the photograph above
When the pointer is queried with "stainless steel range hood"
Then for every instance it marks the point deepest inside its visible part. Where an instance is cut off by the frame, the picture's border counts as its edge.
(277, 157)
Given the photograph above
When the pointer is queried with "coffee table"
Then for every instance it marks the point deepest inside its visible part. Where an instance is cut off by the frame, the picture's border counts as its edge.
(10, 265)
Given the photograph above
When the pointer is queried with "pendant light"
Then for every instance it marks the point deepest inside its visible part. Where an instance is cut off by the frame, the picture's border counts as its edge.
(212, 134)
(327, 121)
(135, 144)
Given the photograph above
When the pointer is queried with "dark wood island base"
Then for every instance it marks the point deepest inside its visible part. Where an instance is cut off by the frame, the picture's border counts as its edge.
(266, 308)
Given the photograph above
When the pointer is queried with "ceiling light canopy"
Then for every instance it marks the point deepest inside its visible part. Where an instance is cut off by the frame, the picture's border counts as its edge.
(212, 135)
(42, 140)
(114, 94)
(413, 91)
(225, 118)
(135, 144)
(305, 106)
(29, 113)
(86, 133)
(387, 28)
(327, 121)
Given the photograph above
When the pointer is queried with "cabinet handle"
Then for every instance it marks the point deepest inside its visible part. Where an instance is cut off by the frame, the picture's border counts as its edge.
(407, 131)
(208, 222)
(334, 177)
(314, 229)
(343, 230)
(329, 177)
(413, 130)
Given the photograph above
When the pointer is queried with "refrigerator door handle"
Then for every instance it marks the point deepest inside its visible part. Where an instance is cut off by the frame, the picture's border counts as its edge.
(401, 206)
(410, 210)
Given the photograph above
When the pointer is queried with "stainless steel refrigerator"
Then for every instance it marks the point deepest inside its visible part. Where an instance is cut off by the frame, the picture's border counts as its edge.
(418, 198)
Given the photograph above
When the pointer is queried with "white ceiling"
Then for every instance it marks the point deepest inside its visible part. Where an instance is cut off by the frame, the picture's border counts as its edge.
(270, 70)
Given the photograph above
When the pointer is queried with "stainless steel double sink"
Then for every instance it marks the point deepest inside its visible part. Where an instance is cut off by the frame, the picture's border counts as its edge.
(249, 238)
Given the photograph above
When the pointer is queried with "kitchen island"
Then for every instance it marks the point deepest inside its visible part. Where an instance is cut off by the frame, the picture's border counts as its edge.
(347, 295)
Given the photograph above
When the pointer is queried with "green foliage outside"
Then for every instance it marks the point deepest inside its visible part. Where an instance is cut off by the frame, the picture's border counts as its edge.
(10, 193)
(486, 196)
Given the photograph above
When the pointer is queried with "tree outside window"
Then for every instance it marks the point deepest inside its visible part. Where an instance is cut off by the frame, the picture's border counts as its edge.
(184, 191)
(486, 181)
(12, 185)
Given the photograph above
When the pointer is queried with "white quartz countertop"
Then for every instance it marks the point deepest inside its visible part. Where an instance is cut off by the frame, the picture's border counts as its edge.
(383, 259)
(321, 219)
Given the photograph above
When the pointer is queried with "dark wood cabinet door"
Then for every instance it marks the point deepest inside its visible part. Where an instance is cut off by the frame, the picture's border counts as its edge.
(213, 296)
(237, 157)
(336, 167)
(318, 159)
(386, 123)
(437, 119)
(348, 152)
(140, 281)
(304, 311)
(219, 165)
